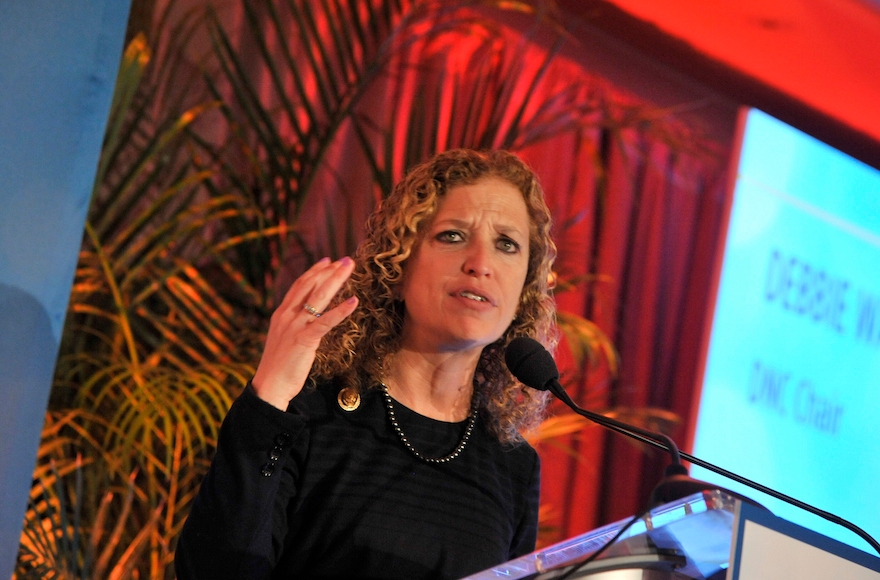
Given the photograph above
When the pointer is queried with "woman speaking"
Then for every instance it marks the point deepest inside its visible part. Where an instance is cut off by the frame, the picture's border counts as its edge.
(380, 436)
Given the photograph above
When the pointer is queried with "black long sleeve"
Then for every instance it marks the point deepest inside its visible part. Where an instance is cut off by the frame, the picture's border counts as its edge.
(343, 498)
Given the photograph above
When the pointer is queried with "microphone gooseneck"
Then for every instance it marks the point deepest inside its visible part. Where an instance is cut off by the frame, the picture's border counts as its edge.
(533, 366)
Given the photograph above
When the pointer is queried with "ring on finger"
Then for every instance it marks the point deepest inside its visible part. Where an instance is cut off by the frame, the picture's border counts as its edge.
(311, 310)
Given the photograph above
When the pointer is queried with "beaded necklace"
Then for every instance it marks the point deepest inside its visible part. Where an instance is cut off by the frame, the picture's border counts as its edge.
(472, 420)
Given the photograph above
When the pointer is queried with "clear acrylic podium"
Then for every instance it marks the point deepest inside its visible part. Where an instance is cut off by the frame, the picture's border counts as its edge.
(709, 535)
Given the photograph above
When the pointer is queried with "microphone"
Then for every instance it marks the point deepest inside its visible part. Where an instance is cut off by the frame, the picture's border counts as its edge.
(533, 366)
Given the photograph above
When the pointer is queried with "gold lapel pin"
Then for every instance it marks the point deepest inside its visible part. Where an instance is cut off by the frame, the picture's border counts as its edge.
(349, 399)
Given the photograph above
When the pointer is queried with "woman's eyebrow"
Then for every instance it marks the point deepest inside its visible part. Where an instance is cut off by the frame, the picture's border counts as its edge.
(511, 230)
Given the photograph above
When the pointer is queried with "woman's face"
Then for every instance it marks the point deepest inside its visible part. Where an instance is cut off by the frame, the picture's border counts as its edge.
(463, 282)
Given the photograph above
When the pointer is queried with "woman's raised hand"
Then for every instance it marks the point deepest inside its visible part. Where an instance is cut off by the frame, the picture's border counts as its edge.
(296, 329)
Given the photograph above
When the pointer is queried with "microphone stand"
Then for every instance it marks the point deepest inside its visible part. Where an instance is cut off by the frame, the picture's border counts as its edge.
(677, 484)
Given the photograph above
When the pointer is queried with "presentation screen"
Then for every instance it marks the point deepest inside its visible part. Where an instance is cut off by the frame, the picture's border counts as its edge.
(790, 396)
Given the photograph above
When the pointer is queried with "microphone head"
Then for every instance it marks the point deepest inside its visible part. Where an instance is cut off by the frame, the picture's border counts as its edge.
(530, 363)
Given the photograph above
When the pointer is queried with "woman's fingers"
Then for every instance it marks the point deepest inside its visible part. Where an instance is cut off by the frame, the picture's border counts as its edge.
(304, 284)
(320, 287)
(296, 329)
(317, 286)
(335, 315)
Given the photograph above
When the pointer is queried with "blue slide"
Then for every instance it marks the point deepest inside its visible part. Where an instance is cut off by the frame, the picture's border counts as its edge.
(791, 389)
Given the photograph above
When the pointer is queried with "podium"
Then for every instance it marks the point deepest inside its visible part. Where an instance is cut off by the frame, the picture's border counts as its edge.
(710, 535)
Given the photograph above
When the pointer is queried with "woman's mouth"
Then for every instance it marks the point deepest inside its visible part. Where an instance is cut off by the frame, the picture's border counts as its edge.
(472, 296)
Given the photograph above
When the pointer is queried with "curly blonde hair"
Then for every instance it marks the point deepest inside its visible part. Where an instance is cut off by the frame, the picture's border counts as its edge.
(357, 351)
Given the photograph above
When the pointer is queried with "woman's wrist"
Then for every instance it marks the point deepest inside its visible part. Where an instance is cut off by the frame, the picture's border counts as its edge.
(278, 396)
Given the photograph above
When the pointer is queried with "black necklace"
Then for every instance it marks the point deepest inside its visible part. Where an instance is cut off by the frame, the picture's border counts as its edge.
(472, 420)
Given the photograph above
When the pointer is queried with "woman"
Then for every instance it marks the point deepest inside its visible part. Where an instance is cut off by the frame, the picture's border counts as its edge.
(379, 437)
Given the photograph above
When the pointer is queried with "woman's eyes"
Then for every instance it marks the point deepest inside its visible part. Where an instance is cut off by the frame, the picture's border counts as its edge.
(450, 236)
(507, 245)
(504, 243)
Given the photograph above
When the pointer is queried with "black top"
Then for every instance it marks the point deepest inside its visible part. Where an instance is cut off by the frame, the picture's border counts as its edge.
(319, 492)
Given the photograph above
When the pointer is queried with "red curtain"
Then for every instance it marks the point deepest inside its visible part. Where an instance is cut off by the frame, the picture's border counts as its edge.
(645, 234)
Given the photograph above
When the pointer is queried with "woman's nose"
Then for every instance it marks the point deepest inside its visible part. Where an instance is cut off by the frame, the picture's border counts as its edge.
(477, 261)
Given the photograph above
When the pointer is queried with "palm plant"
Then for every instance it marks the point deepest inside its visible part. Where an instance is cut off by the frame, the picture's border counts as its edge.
(144, 373)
